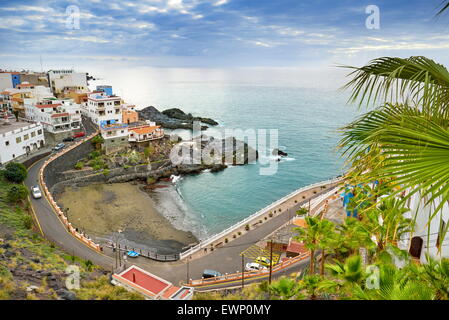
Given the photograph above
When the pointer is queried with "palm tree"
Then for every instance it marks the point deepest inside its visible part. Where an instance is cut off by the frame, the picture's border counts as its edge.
(407, 137)
(328, 229)
(315, 232)
(387, 223)
(285, 288)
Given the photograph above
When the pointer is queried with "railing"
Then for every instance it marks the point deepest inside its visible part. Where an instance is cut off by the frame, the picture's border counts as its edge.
(254, 216)
(82, 237)
(248, 275)
(147, 253)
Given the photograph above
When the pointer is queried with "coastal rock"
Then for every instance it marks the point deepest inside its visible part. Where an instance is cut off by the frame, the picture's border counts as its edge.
(277, 152)
(66, 295)
(173, 118)
(181, 115)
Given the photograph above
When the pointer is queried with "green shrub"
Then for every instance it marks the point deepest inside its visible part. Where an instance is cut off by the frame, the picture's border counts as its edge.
(17, 193)
(89, 265)
(15, 172)
(79, 165)
(151, 180)
(93, 155)
(97, 140)
(106, 172)
(247, 227)
(27, 221)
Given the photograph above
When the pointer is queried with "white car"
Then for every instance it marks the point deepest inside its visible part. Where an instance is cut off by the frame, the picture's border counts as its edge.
(252, 266)
(36, 192)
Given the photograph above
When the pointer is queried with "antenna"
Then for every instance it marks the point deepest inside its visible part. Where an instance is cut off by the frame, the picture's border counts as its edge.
(42, 69)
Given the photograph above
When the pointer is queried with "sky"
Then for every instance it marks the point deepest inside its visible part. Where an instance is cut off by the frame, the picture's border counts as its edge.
(217, 33)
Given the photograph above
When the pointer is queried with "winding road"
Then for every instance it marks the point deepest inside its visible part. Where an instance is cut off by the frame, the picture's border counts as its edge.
(225, 259)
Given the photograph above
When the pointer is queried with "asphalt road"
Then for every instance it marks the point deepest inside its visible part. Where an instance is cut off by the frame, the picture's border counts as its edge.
(226, 259)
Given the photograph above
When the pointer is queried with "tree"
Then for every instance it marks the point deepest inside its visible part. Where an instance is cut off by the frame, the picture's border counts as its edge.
(407, 137)
(17, 193)
(387, 223)
(327, 228)
(312, 235)
(15, 172)
(285, 288)
(97, 141)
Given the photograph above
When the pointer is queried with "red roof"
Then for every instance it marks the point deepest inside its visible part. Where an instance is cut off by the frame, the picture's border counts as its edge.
(145, 280)
(296, 247)
(145, 129)
(24, 85)
(48, 105)
(58, 115)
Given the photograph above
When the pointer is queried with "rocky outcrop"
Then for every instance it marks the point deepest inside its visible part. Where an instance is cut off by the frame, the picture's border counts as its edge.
(277, 152)
(173, 118)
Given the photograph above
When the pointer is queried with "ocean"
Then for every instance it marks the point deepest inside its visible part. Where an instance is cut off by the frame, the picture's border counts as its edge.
(306, 118)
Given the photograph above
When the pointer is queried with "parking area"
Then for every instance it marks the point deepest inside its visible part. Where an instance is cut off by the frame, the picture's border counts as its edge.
(255, 251)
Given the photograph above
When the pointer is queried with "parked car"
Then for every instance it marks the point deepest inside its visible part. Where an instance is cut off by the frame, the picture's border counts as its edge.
(59, 146)
(253, 266)
(211, 274)
(79, 134)
(36, 192)
(263, 261)
(68, 139)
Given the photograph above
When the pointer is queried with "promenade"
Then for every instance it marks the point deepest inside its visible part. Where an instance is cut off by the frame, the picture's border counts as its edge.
(225, 256)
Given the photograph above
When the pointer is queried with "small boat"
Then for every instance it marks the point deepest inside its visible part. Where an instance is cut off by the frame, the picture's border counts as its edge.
(132, 254)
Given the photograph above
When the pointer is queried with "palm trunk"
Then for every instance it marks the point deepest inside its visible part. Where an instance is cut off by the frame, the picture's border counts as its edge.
(312, 262)
(323, 258)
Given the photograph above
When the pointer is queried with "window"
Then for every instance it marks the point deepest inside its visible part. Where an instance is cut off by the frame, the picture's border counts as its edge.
(33, 134)
(18, 140)
(39, 131)
(7, 143)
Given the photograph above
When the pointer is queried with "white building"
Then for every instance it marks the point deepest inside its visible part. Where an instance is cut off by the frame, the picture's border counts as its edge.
(19, 138)
(427, 238)
(62, 80)
(5, 81)
(103, 109)
(56, 115)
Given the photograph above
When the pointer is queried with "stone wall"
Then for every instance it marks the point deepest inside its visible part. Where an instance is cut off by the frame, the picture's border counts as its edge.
(65, 162)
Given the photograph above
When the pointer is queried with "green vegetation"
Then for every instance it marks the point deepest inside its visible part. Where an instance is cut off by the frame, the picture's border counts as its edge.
(17, 193)
(33, 261)
(15, 172)
(403, 144)
(79, 165)
(97, 141)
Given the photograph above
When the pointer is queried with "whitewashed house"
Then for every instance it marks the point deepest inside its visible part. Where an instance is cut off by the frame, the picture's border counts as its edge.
(19, 138)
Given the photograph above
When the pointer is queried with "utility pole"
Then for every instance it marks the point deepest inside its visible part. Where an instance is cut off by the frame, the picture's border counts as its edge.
(243, 271)
(188, 267)
(271, 260)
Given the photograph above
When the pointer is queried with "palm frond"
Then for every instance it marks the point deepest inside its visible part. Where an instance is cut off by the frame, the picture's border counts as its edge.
(398, 80)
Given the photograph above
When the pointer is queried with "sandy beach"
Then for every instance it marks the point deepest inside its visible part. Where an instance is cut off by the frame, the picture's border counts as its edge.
(102, 209)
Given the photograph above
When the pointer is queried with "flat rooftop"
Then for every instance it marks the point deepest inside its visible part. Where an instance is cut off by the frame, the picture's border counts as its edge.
(13, 125)
(145, 280)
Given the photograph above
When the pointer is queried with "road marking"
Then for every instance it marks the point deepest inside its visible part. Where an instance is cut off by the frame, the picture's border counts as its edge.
(64, 227)
(255, 251)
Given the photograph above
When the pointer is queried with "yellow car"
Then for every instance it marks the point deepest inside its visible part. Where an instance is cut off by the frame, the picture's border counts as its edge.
(264, 261)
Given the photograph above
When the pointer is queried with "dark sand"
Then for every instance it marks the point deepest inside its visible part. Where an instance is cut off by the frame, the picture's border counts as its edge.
(100, 210)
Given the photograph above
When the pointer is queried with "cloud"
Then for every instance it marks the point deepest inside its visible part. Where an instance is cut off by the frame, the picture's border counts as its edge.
(220, 3)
